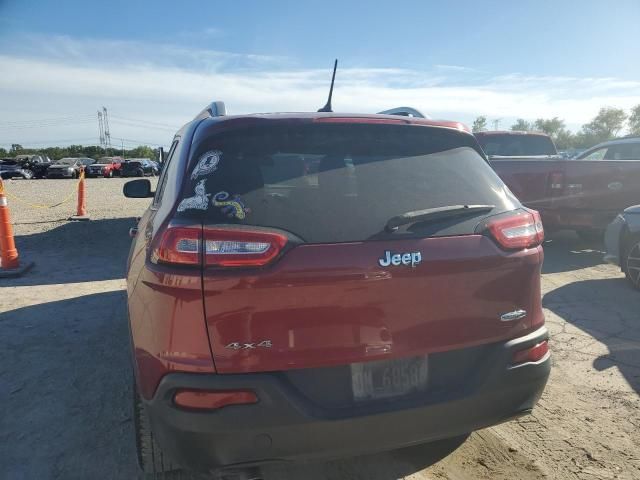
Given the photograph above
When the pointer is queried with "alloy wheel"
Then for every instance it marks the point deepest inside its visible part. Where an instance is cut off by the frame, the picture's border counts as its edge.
(633, 265)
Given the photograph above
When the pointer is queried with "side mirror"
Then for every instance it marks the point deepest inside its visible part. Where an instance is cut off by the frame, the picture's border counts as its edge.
(137, 189)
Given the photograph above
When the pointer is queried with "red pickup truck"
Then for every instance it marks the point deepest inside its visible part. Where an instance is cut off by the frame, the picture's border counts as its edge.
(582, 194)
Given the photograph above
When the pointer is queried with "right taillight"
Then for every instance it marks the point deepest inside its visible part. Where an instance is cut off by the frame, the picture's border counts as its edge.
(517, 230)
(532, 354)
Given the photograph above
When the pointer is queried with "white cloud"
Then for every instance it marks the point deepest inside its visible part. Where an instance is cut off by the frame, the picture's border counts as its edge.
(169, 84)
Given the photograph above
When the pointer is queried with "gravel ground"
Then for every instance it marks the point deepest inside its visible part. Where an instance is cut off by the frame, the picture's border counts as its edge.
(65, 379)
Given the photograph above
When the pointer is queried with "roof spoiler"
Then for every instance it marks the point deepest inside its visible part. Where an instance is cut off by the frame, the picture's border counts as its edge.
(405, 112)
(214, 109)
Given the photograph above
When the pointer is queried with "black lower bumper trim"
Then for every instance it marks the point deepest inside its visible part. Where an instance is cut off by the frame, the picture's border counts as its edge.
(284, 425)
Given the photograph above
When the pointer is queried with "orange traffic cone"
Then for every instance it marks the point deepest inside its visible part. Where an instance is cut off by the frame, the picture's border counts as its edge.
(81, 210)
(9, 259)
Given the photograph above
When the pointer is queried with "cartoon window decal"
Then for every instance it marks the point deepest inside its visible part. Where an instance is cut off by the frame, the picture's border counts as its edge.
(207, 164)
(233, 208)
(200, 201)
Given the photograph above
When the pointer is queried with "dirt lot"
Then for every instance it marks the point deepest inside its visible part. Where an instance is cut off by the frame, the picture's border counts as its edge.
(65, 379)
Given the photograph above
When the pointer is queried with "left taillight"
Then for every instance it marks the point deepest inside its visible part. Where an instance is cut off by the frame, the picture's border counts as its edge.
(241, 248)
(517, 230)
(178, 245)
(218, 246)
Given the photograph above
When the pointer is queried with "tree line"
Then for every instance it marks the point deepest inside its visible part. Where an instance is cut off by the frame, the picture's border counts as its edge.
(56, 153)
(607, 124)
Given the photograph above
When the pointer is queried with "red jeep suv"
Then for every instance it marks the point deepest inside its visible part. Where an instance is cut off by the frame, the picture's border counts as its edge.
(321, 285)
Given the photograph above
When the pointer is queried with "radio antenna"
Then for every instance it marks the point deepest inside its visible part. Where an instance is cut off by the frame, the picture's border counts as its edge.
(327, 107)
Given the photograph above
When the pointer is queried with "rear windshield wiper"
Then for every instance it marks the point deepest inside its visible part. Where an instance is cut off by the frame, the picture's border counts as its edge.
(434, 214)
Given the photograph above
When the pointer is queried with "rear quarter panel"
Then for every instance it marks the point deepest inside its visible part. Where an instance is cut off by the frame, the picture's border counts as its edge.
(166, 314)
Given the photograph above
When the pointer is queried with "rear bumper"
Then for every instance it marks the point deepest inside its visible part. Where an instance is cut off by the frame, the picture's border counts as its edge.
(286, 425)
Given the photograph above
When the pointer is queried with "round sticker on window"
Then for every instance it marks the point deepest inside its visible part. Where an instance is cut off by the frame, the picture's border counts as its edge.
(207, 164)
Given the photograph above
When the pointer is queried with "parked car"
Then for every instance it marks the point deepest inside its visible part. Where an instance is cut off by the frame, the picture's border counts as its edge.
(106, 167)
(582, 194)
(138, 167)
(622, 243)
(36, 165)
(157, 168)
(9, 168)
(68, 167)
(390, 298)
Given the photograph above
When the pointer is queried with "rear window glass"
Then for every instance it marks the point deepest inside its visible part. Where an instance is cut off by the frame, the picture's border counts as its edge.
(516, 145)
(335, 183)
(624, 151)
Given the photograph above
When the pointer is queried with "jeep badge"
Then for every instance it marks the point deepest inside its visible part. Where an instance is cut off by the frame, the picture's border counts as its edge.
(396, 259)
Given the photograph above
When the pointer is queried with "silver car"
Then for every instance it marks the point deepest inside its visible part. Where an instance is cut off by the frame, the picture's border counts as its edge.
(622, 243)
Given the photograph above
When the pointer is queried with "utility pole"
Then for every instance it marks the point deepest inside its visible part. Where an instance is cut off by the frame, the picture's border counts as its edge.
(101, 129)
(107, 134)
(122, 140)
(496, 123)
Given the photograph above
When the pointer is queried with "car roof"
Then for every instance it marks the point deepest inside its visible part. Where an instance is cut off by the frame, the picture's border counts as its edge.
(336, 117)
(509, 132)
(617, 141)
(609, 143)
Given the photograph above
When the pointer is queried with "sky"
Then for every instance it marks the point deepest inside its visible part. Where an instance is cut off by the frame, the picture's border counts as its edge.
(155, 64)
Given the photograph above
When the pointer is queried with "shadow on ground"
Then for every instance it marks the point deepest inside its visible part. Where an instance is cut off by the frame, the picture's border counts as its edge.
(565, 251)
(75, 252)
(67, 379)
(382, 466)
(66, 383)
(609, 311)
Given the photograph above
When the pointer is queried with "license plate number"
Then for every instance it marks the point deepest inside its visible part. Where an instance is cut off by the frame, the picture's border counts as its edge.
(389, 378)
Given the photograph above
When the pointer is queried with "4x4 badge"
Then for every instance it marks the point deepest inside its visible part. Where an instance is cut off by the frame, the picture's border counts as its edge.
(407, 258)
(249, 346)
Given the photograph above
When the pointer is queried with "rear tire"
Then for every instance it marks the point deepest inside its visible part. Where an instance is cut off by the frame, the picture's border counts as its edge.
(140, 172)
(152, 461)
(631, 260)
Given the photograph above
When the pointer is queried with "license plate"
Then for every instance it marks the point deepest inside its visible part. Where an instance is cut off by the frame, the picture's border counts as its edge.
(389, 378)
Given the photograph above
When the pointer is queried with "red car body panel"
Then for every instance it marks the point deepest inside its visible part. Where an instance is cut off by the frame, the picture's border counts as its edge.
(323, 305)
(569, 193)
(255, 341)
(112, 167)
(166, 318)
(592, 193)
